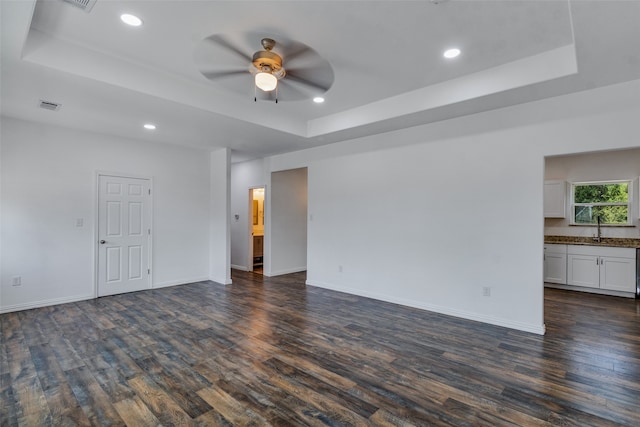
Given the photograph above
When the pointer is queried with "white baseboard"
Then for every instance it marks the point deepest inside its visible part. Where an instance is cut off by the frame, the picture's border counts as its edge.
(285, 271)
(590, 290)
(178, 282)
(56, 301)
(526, 327)
(44, 303)
(240, 267)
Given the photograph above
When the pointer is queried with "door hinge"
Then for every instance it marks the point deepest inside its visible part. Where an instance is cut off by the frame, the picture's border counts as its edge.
(148, 271)
(149, 191)
(149, 230)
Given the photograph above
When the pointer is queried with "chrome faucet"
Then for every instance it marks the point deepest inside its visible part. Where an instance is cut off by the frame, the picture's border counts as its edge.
(599, 238)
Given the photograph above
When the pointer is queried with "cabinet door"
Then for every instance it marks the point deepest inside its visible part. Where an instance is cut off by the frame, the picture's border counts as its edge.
(258, 246)
(555, 199)
(583, 270)
(555, 268)
(617, 274)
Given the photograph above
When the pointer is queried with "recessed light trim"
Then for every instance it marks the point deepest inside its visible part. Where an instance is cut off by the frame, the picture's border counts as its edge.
(150, 126)
(318, 100)
(451, 53)
(132, 20)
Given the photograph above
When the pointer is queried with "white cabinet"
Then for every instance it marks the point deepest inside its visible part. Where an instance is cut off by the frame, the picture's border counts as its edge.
(555, 264)
(583, 270)
(601, 267)
(617, 274)
(555, 200)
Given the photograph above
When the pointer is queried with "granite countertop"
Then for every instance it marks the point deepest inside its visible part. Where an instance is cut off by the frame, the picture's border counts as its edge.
(605, 241)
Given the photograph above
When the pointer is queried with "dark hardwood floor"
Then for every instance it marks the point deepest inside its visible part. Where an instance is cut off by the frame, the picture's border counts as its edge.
(274, 351)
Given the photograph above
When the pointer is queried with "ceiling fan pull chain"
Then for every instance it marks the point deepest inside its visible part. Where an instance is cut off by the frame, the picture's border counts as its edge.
(276, 94)
(255, 95)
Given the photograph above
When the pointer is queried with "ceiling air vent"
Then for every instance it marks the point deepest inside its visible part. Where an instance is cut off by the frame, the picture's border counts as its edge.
(47, 105)
(85, 5)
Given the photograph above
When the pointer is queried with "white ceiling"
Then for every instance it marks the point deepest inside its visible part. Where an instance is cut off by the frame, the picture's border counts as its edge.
(386, 57)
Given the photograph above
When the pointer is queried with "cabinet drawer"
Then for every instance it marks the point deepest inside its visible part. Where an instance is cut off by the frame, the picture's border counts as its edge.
(601, 251)
(552, 248)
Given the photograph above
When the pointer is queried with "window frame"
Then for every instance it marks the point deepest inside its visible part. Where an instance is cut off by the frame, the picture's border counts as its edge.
(628, 203)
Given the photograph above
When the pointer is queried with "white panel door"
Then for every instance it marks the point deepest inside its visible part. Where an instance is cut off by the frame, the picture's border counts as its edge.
(124, 227)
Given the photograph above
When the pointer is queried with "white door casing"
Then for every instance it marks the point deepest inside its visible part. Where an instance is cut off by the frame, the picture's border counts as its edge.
(124, 232)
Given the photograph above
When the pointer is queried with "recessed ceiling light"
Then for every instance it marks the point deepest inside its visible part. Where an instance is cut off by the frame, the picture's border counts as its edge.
(318, 100)
(132, 20)
(149, 126)
(451, 53)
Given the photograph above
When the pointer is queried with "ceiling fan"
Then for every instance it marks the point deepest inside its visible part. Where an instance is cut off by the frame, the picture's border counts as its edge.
(288, 70)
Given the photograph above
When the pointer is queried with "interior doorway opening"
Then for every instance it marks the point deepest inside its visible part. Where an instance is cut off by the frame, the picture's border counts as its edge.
(256, 229)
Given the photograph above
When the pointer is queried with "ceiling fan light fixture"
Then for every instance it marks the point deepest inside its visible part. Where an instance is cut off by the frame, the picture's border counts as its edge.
(266, 81)
(318, 100)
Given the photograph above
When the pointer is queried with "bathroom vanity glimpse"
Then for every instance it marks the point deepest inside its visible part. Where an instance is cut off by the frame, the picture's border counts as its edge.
(598, 268)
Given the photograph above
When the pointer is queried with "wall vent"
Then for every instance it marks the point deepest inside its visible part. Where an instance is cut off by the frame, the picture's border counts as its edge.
(85, 5)
(48, 105)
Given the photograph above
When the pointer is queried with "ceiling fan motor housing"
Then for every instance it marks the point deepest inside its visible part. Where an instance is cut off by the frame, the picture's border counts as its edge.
(268, 62)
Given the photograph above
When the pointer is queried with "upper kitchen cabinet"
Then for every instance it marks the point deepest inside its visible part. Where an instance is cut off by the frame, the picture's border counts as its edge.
(555, 195)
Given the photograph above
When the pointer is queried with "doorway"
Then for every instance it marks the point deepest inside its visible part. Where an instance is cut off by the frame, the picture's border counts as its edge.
(257, 229)
(123, 235)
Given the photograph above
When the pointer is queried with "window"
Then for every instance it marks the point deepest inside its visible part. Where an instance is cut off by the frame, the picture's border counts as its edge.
(609, 200)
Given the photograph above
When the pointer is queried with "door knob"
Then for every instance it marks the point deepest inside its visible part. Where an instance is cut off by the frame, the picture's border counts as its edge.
(102, 242)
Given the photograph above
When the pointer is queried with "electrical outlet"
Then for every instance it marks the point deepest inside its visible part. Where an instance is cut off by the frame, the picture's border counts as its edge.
(486, 291)
(16, 281)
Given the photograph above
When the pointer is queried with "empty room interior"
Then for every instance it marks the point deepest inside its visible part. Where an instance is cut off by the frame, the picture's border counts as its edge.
(409, 213)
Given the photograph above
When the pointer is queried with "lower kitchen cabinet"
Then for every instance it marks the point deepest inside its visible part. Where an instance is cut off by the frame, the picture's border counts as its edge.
(601, 267)
(583, 270)
(555, 264)
(617, 274)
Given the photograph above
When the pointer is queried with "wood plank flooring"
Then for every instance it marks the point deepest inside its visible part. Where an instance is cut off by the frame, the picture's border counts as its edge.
(272, 351)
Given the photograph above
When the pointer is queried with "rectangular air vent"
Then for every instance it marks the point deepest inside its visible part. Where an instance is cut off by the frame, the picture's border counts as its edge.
(48, 105)
(85, 5)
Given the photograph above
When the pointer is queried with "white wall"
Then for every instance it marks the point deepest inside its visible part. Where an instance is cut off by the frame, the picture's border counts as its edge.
(244, 175)
(428, 216)
(220, 202)
(287, 230)
(600, 166)
(48, 181)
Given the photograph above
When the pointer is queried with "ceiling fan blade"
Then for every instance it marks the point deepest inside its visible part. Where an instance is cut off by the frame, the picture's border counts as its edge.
(222, 41)
(296, 50)
(297, 75)
(218, 74)
(289, 92)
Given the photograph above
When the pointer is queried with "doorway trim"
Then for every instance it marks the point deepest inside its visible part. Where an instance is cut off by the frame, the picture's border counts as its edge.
(96, 224)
